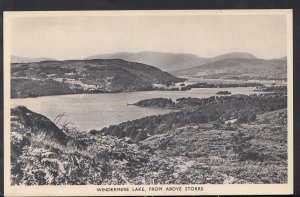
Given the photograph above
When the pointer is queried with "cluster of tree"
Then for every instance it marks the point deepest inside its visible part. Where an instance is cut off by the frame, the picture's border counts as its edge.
(239, 106)
(166, 89)
(223, 92)
(191, 103)
(244, 108)
(220, 85)
(156, 102)
(279, 89)
(37, 70)
(21, 88)
(181, 103)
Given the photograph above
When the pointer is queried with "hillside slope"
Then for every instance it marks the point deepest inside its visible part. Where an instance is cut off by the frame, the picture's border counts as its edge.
(23, 119)
(41, 156)
(78, 76)
(239, 68)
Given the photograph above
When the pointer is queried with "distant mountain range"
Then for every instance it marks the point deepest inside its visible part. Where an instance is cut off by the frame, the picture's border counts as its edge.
(232, 56)
(164, 61)
(239, 68)
(169, 61)
(236, 65)
(19, 59)
(85, 76)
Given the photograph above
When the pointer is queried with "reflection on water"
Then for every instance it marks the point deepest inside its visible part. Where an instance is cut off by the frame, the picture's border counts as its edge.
(95, 111)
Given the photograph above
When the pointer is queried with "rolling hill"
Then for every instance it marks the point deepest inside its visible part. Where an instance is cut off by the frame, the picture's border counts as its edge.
(233, 55)
(170, 61)
(239, 68)
(80, 76)
(164, 61)
(235, 65)
(19, 59)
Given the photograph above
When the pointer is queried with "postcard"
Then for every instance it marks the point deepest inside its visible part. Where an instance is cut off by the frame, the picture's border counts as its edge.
(185, 102)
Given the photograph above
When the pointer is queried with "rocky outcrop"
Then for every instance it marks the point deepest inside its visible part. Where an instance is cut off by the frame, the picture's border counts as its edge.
(26, 120)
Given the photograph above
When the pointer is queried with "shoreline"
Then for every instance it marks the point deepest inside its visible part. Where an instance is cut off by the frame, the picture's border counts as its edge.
(198, 85)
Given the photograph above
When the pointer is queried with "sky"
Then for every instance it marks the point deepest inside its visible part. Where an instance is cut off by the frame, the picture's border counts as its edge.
(74, 37)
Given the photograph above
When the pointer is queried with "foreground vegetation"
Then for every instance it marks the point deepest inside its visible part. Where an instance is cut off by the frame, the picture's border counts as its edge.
(228, 139)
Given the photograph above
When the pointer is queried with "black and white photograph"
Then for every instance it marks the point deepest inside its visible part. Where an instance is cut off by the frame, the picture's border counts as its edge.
(148, 102)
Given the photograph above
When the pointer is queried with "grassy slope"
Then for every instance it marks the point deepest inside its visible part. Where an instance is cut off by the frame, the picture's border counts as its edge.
(204, 153)
(39, 157)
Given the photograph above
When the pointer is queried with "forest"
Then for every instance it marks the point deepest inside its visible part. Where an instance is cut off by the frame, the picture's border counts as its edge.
(22, 88)
(197, 111)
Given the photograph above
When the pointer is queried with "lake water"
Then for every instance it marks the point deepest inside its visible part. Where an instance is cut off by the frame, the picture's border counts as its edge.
(96, 111)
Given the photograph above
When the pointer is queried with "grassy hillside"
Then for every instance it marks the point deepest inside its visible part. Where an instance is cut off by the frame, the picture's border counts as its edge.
(239, 69)
(41, 156)
(77, 76)
(249, 153)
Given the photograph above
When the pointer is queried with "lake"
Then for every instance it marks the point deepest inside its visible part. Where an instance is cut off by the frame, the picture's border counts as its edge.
(96, 111)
